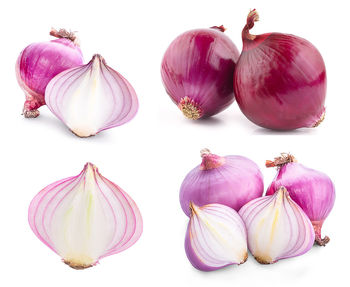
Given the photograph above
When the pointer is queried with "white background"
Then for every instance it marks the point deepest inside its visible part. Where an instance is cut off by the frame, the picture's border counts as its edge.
(150, 156)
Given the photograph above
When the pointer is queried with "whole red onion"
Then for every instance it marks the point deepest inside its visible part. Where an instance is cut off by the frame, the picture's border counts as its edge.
(197, 72)
(38, 63)
(280, 80)
(231, 180)
(312, 190)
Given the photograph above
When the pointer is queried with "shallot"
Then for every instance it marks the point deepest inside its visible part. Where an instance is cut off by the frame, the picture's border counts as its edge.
(215, 237)
(85, 218)
(277, 227)
(91, 98)
(38, 63)
(231, 180)
(312, 190)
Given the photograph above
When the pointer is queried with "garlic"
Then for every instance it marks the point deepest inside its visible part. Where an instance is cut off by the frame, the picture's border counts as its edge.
(277, 227)
(91, 98)
(216, 237)
(85, 218)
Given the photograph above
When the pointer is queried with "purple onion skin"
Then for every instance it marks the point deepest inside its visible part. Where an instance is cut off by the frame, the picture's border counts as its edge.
(193, 258)
(312, 190)
(280, 81)
(199, 65)
(236, 182)
(38, 63)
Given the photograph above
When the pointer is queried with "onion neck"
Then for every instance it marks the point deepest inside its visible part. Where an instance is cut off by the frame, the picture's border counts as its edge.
(63, 33)
(251, 41)
(210, 161)
(318, 238)
(280, 161)
(219, 28)
(253, 17)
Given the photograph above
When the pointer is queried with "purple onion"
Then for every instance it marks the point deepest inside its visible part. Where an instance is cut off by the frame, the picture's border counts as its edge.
(280, 80)
(38, 63)
(277, 227)
(312, 190)
(231, 180)
(204, 248)
(197, 72)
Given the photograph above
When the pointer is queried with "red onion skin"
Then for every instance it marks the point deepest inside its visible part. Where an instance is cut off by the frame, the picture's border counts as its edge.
(234, 183)
(280, 80)
(199, 65)
(38, 63)
(312, 190)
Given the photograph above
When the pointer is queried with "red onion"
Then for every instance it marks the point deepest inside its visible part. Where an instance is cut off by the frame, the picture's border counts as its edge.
(216, 237)
(312, 190)
(280, 80)
(40, 62)
(91, 98)
(197, 72)
(277, 227)
(231, 180)
(85, 218)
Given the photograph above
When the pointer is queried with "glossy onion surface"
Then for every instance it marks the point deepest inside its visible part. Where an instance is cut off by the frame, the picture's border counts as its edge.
(280, 80)
(312, 190)
(231, 180)
(40, 62)
(197, 72)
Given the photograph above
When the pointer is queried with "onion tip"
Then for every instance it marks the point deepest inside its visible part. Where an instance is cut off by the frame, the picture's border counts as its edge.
(63, 33)
(210, 161)
(221, 28)
(281, 160)
(252, 17)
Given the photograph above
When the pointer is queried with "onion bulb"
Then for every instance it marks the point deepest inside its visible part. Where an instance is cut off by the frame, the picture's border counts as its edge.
(197, 72)
(215, 238)
(279, 80)
(38, 63)
(85, 218)
(277, 227)
(312, 190)
(230, 180)
(91, 98)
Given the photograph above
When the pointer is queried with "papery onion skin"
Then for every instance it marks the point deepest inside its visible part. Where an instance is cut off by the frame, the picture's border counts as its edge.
(108, 100)
(230, 180)
(197, 72)
(312, 190)
(277, 228)
(38, 63)
(203, 247)
(85, 218)
(280, 80)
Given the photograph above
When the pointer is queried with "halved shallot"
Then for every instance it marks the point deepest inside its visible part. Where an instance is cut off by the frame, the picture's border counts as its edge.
(85, 218)
(216, 237)
(277, 227)
(91, 98)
